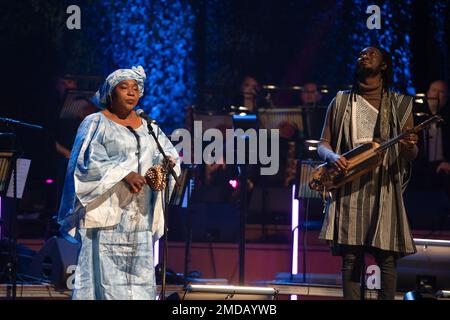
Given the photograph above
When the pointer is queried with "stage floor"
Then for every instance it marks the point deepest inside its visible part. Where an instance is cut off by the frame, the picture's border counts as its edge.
(285, 291)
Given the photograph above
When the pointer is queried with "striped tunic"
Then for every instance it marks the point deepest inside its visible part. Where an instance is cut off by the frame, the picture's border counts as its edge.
(369, 211)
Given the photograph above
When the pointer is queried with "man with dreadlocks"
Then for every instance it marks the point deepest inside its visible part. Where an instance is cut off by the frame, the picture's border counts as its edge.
(368, 214)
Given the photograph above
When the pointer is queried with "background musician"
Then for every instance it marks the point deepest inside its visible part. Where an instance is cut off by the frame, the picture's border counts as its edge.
(368, 214)
(436, 145)
(310, 95)
(431, 179)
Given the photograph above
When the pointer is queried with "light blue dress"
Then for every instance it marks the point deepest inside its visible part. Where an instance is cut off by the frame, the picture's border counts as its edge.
(117, 229)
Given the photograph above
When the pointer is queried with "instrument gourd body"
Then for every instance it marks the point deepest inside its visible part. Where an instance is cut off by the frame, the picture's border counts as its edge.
(360, 160)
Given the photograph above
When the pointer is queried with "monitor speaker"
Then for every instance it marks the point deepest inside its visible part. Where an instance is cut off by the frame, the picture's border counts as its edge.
(56, 262)
(429, 266)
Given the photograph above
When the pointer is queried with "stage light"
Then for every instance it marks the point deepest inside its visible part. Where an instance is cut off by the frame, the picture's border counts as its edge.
(234, 184)
(49, 181)
(419, 295)
(1, 235)
(230, 289)
(228, 292)
(425, 242)
(411, 295)
(426, 271)
(443, 294)
(425, 289)
(156, 253)
(294, 230)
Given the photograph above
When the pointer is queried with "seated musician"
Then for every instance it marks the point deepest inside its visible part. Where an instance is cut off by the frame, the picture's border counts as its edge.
(433, 161)
(368, 214)
(310, 95)
(431, 179)
(313, 115)
(250, 96)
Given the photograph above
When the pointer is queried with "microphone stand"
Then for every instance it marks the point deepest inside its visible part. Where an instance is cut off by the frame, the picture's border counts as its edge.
(11, 266)
(242, 222)
(172, 172)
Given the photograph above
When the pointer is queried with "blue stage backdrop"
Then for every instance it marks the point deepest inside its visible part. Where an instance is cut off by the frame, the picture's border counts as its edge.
(159, 35)
(285, 43)
(394, 36)
(303, 40)
(439, 17)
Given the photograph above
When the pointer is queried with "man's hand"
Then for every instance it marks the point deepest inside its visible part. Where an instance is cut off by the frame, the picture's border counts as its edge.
(135, 182)
(444, 167)
(409, 141)
(325, 152)
(341, 163)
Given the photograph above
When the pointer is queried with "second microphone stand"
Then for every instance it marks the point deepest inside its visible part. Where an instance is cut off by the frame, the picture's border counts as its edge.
(169, 171)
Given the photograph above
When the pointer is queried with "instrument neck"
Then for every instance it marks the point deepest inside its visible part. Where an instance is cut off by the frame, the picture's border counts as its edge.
(387, 144)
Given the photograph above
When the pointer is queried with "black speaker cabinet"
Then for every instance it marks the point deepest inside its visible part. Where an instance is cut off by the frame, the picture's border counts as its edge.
(430, 265)
(56, 262)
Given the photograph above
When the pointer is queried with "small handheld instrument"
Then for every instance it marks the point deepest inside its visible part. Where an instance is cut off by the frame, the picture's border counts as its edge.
(361, 160)
(156, 177)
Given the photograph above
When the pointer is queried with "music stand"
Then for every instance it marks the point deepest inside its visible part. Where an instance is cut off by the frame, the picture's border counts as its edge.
(304, 192)
(179, 192)
(8, 175)
(9, 159)
(181, 196)
(75, 104)
(6, 169)
(243, 122)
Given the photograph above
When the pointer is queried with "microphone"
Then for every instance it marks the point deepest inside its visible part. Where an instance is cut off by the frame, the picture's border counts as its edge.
(149, 120)
(143, 115)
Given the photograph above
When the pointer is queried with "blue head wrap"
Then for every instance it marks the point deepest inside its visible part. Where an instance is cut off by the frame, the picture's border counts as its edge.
(135, 73)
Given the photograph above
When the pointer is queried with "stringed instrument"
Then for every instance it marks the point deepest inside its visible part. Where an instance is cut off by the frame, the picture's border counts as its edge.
(360, 160)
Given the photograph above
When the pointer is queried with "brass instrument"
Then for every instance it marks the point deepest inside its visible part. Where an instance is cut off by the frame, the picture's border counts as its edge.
(361, 160)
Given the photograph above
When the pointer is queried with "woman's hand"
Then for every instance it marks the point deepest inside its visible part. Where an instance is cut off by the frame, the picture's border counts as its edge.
(171, 161)
(135, 182)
